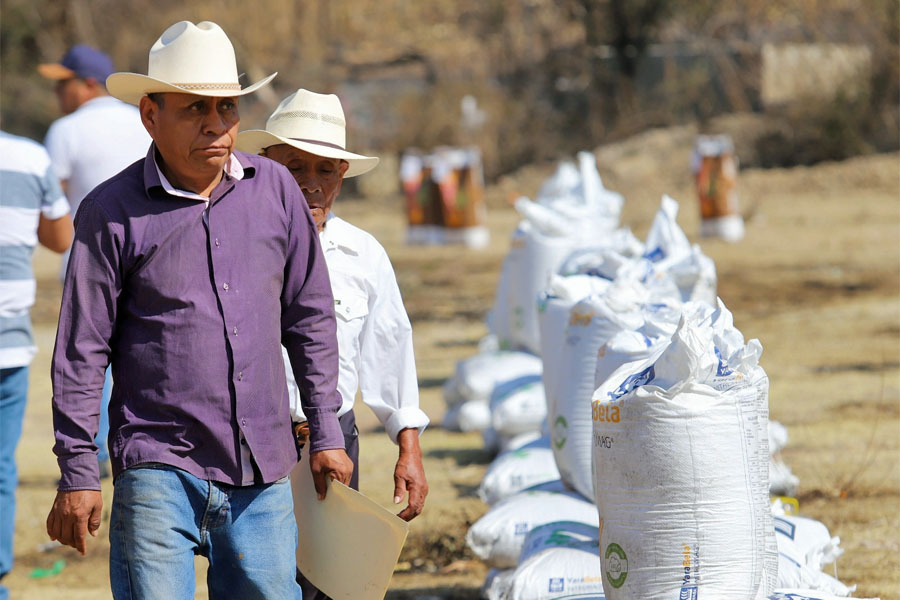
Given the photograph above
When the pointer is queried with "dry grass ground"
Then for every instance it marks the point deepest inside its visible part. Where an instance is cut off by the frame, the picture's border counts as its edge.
(817, 280)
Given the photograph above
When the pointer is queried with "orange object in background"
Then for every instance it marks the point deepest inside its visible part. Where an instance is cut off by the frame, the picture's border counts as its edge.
(444, 194)
(715, 170)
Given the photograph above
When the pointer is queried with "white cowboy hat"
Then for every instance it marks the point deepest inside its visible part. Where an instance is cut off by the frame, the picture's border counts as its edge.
(187, 58)
(311, 122)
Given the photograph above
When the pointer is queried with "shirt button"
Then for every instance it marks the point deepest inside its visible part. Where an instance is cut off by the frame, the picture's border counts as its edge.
(217, 241)
(243, 421)
(234, 331)
(241, 376)
(225, 286)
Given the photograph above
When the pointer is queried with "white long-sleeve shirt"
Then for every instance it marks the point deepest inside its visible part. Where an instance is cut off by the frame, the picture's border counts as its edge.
(374, 335)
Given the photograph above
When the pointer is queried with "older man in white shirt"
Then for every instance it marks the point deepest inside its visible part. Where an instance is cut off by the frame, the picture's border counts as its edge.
(307, 134)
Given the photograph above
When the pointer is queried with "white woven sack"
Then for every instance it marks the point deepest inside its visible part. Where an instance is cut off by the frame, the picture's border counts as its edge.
(536, 252)
(792, 574)
(578, 195)
(625, 347)
(807, 541)
(782, 481)
(678, 447)
(668, 247)
(661, 317)
(674, 497)
(693, 273)
(496, 443)
(516, 470)
(739, 374)
(554, 306)
(473, 415)
(592, 322)
(496, 584)
(605, 256)
(451, 393)
(559, 560)
(518, 410)
(498, 536)
(478, 375)
(665, 239)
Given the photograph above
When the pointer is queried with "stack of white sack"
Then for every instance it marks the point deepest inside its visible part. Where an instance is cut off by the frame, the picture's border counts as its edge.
(805, 546)
(571, 209)
(498, 536)
(782, 481)
(518, 469)
(667, 255)
(496, 443)
(468, 393)
(680, 477)
(669, 249)
(591, 323)
(518, 407)
(574, 342)
(559, 560)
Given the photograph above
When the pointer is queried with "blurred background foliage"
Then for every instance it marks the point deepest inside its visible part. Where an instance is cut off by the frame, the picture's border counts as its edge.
(549, 77)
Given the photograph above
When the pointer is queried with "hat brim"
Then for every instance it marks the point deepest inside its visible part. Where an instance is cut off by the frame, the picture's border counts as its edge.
(55, 71)
(131, 87)
(255, 140)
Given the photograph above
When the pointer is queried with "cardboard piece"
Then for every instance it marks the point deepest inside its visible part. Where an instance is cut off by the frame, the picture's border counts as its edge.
(349, 544)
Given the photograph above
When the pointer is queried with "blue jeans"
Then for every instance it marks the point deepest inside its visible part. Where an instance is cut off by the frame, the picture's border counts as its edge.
(13, 394)
(162, 516)
(103, 430)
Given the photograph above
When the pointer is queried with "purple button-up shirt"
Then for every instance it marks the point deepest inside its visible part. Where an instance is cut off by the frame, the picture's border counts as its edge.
(190, 302)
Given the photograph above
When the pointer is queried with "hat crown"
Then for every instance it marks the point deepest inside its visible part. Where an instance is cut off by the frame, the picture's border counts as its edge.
(193, 54)
(312, 117)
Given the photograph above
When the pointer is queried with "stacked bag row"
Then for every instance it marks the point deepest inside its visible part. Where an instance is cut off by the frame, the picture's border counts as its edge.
(636, 447)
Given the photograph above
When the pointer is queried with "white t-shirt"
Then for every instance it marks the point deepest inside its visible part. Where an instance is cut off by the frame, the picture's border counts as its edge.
(102, 137)
(94, 143)
(374, 336)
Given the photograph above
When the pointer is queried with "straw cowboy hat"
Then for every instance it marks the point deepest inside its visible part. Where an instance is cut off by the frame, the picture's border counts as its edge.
(310, 122)
(187, 58)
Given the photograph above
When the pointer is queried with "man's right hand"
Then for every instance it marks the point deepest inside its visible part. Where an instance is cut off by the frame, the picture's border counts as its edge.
(73, 516)
(330, 463)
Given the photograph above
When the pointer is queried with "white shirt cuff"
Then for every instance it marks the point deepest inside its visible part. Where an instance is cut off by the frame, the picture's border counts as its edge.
(406, 418)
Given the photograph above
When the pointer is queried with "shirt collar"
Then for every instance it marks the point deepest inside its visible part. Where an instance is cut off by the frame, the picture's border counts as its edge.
(232, 169)
(336, 235)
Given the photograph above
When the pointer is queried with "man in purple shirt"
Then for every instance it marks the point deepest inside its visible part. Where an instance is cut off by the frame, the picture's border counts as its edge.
(189, 269)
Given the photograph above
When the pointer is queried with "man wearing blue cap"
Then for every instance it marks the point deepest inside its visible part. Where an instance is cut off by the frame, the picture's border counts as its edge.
(98, 137)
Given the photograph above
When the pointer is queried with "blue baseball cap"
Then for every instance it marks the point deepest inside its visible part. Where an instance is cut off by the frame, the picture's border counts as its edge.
(81, 61)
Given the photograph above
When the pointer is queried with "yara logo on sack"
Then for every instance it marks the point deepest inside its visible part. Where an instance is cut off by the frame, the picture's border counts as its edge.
(560, 428)
(616, 565)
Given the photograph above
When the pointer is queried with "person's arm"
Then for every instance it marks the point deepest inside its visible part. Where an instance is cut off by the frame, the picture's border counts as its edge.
(409, 475)
(54, 229)
(389, 384)
(308, 334)
(56, 234)
(80, 358)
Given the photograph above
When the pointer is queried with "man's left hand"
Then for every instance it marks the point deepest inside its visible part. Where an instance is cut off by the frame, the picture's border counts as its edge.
(409, 475)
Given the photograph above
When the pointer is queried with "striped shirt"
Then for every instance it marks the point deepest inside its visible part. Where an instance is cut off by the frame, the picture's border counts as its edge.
(28, 189)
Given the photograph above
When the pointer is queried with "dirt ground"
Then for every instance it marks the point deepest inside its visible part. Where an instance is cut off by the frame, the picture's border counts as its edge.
(817, 280)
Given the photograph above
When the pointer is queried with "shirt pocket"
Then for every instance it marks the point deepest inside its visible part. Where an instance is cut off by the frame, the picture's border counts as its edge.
(350, 304)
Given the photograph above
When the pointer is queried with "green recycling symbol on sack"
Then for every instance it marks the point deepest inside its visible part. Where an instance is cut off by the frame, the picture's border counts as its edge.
(560, 427)
(616, 565)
